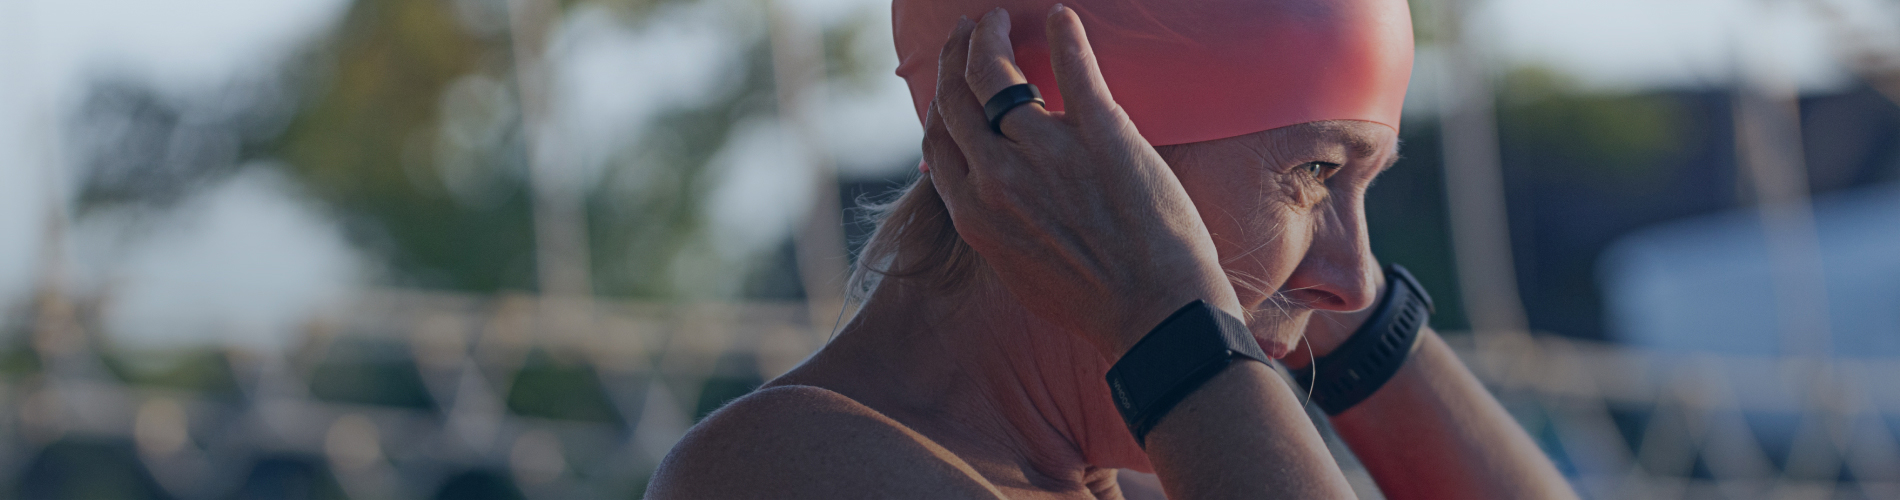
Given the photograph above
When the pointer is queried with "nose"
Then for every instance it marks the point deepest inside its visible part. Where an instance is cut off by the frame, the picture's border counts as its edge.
(1338, 272)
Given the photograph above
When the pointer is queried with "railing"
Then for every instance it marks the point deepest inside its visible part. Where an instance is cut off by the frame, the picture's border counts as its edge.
(413, 395)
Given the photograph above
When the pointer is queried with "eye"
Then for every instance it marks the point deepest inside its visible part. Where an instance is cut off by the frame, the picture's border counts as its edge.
(1319, 169)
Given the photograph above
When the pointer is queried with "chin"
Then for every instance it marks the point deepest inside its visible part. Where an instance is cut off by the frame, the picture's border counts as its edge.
(1278, 331)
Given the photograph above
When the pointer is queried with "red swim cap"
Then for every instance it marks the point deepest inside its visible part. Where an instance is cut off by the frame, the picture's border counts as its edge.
(1199, 70)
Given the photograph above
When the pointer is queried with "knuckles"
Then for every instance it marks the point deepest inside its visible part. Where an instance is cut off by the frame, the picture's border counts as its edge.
(986, 77)
(937, 142)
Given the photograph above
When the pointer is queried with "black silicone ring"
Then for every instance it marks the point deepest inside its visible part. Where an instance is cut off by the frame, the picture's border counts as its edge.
(1007, 99)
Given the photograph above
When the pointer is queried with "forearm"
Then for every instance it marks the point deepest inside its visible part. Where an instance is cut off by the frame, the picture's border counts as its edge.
(1433, 431)
(1242, 435)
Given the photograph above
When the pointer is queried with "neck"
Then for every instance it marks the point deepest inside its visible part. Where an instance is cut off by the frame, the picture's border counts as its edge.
(982, 376)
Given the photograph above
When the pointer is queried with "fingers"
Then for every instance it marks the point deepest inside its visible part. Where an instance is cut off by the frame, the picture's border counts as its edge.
(962, 112)
(992, 67)
(948, 170)
(992, 60)
(1077, 75)
(940, 150)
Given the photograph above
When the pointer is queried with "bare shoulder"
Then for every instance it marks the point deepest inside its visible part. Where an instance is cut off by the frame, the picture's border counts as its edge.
(808, 442)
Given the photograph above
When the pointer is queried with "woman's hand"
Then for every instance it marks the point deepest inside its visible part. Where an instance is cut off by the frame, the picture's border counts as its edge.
(1075, 212)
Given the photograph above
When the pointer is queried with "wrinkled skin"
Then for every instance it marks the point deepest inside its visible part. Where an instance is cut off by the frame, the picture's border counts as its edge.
(1100, 235)
(1061, 203)
(1089, 238)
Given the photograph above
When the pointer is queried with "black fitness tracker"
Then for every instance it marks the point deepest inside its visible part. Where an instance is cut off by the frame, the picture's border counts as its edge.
(1376, 351)
(1198, 341)
(1174, 359)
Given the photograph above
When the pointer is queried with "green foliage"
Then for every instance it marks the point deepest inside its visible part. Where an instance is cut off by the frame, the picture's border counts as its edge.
(1611, 140)
(649, 214)
(627, 9)
(19, 361)
(1424, 31)
(548, 388)
(363, 143)
(479, 485)
(87, 468)
(370, 372)
(202, 371)
(846, 60)
(1409, 223)
(720, 390)
(369, 141)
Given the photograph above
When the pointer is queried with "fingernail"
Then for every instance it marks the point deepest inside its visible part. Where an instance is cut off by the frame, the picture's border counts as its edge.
(963, 22)
(1057, 9)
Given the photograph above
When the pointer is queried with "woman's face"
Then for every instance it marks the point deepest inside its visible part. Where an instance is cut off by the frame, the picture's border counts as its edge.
(1286, 208)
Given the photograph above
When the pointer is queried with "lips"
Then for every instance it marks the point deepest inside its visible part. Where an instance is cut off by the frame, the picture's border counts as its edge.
(1278, 330)
(1275, 349)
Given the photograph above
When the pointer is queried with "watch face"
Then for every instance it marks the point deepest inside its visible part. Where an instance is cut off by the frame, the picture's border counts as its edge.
(1174, 359)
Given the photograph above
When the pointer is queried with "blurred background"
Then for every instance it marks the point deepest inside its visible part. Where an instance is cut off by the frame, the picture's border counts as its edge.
(514, 248)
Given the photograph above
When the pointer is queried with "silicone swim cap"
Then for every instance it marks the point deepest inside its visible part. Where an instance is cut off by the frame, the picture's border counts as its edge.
(1199, 70)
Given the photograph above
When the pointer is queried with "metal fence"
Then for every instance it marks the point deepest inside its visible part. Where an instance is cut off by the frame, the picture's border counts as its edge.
(425, 395)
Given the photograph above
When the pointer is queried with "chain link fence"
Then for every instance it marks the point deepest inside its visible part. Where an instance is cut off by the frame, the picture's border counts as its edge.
(407, 394)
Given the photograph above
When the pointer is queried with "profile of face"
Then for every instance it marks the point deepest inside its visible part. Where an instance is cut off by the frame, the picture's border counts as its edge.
(1286, 209)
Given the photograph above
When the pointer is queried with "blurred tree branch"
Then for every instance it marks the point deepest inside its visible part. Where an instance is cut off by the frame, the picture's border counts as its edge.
(368, 141)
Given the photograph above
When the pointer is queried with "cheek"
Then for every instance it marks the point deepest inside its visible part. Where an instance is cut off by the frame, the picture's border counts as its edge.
(1260, 257)
(1256, 227)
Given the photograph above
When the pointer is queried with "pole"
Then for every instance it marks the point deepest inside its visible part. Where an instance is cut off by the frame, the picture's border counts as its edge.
(798, 68)
(1474, 183)
(560, 218)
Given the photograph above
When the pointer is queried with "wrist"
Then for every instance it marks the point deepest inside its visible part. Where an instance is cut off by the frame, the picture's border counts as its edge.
(1141, 318)
(1191, 346)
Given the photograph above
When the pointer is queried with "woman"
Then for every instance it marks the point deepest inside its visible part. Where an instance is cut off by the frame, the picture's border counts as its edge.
(1050, 242)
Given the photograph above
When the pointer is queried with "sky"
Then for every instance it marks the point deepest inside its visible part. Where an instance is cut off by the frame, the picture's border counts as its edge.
(254, 255)
(1628, 44)
(248, 255)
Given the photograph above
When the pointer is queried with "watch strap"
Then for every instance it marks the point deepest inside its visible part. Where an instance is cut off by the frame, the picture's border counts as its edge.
(1374, 352)
(1173, 360)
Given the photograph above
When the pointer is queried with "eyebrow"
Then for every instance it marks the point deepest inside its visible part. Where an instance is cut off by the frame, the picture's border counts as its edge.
(1364, 147)
(1358, 145)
